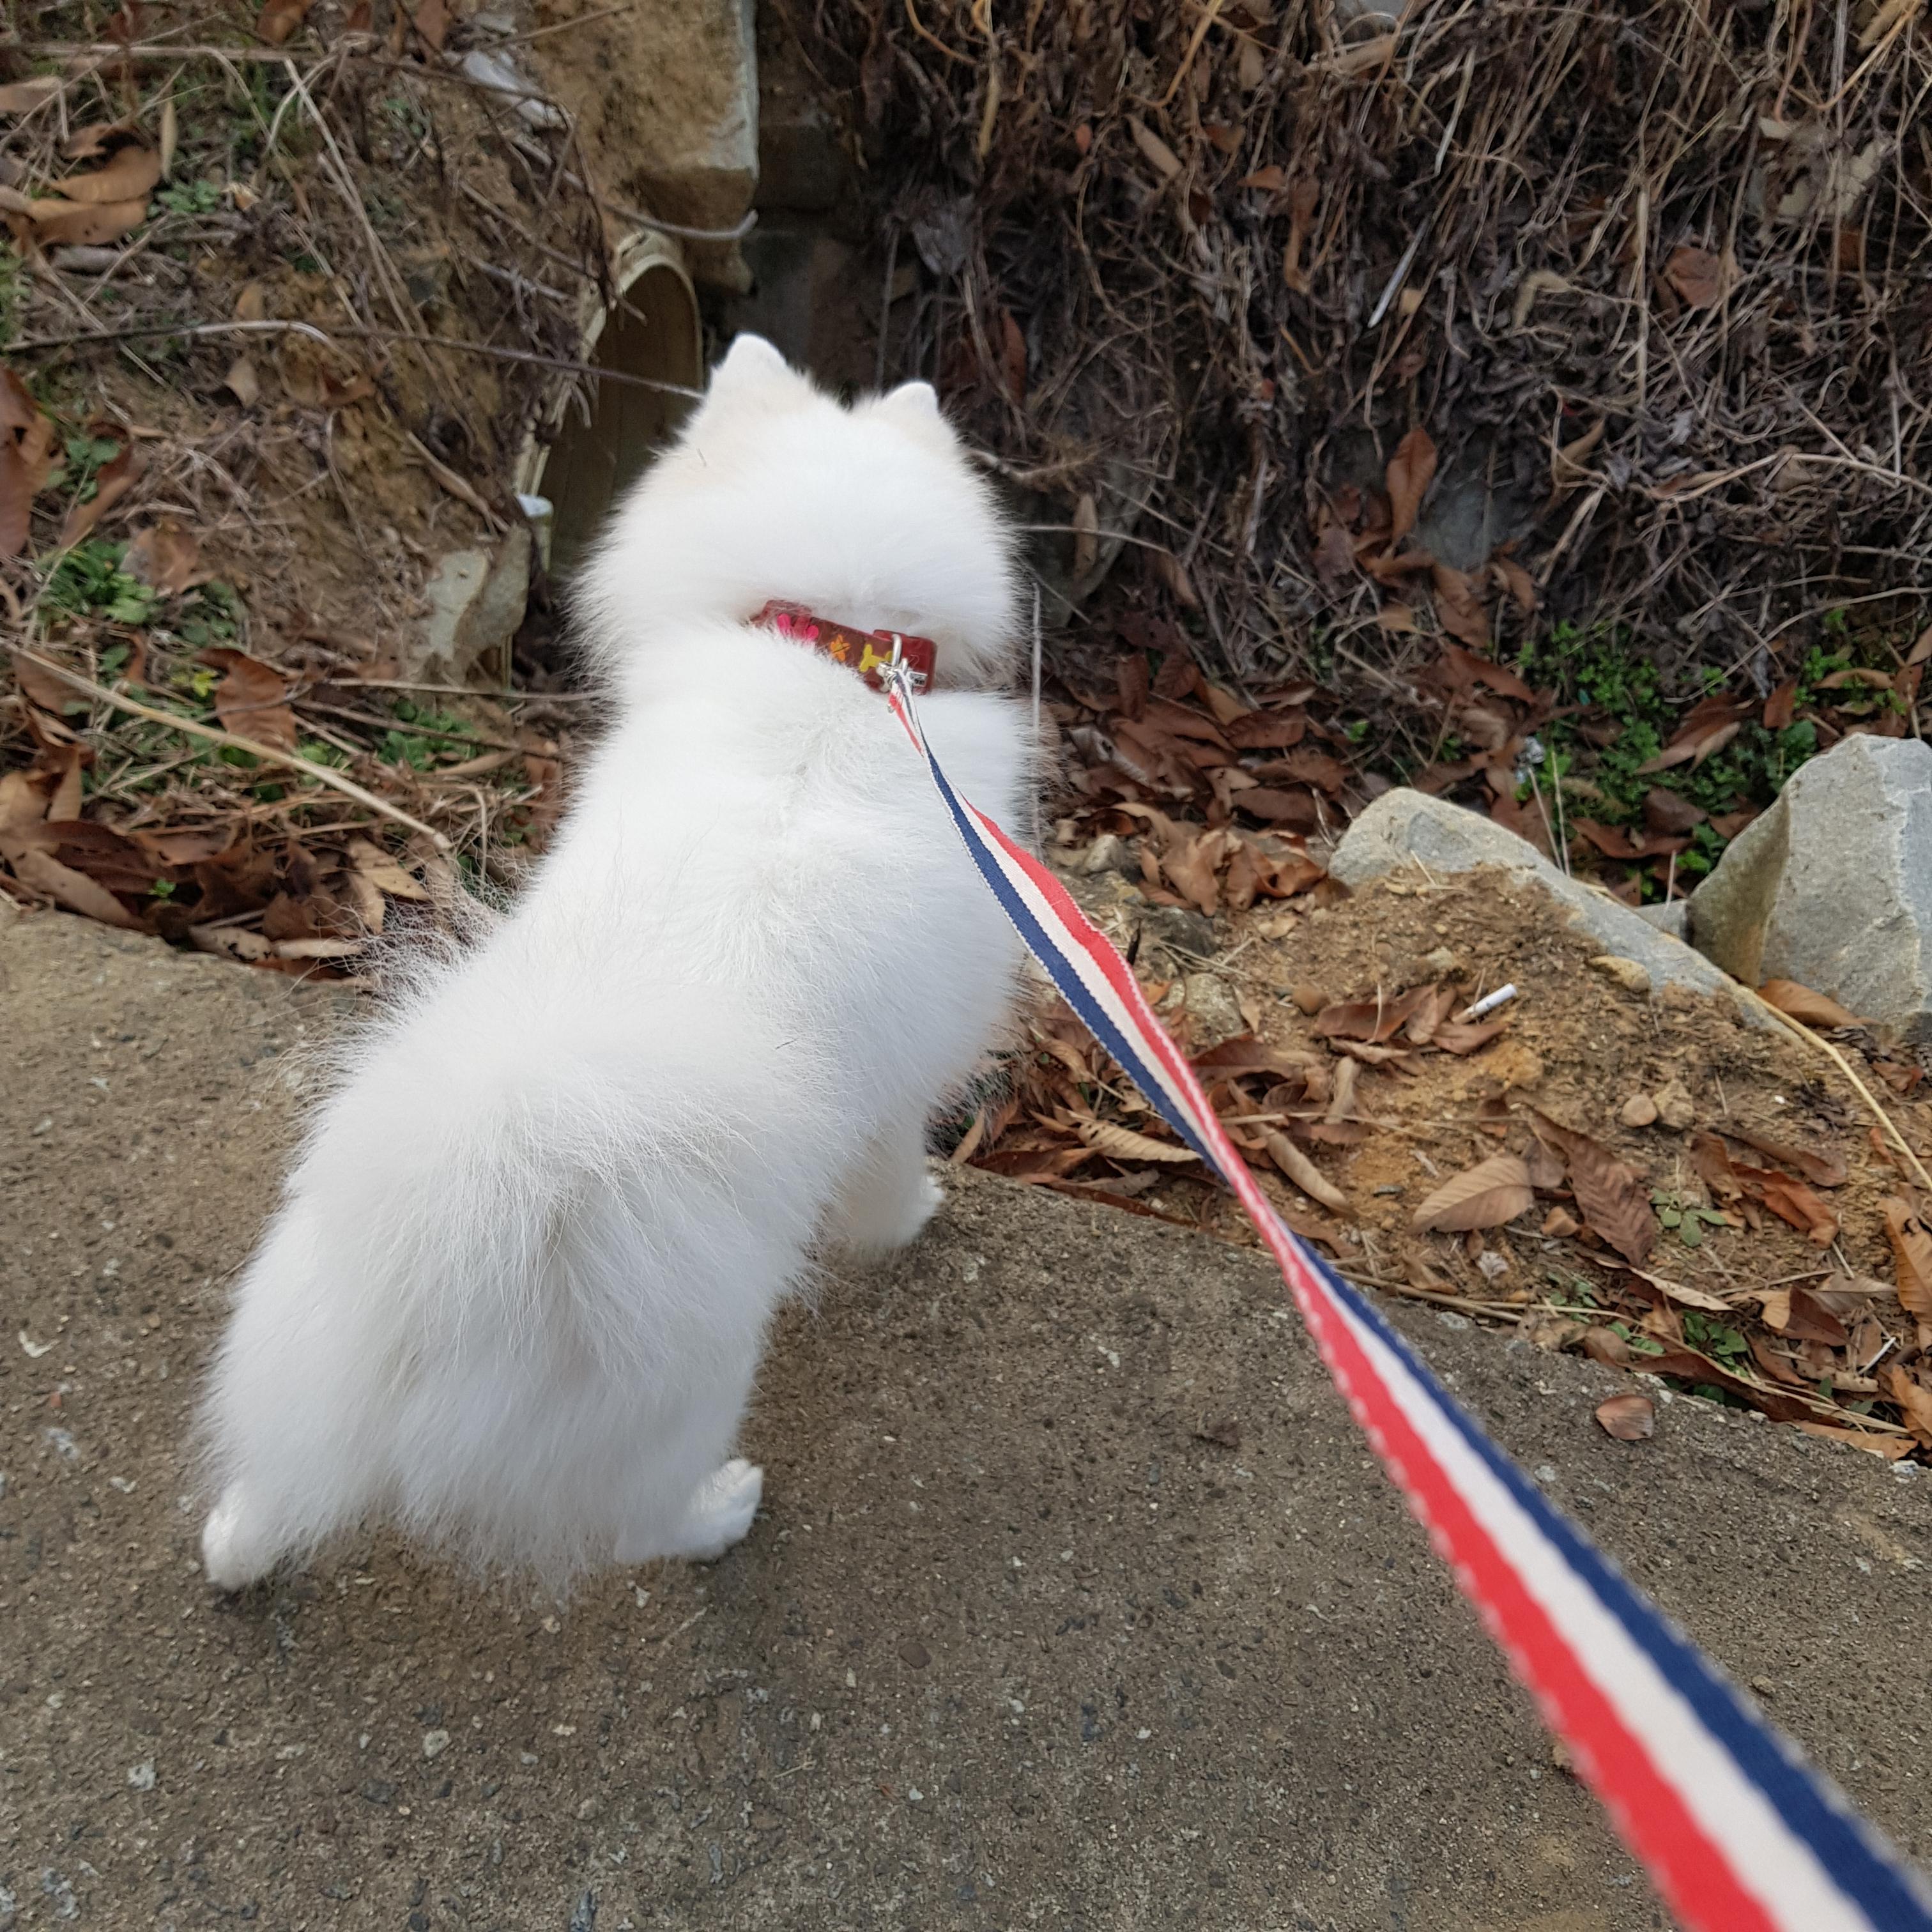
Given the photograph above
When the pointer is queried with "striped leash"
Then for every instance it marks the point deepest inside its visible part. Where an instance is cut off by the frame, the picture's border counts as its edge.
(1738, 1833)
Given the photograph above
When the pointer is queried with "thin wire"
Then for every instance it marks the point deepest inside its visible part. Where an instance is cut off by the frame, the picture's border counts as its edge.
(1034, 788)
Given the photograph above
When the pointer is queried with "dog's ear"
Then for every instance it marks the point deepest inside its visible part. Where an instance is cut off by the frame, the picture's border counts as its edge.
(914, 404)
(752, 367)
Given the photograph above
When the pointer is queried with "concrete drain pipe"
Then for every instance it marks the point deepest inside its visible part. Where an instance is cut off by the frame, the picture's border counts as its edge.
(572, 467)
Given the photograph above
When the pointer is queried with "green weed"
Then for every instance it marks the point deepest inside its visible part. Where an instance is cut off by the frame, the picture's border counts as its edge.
(195, 197)
(1722, 1343)
(88, 580)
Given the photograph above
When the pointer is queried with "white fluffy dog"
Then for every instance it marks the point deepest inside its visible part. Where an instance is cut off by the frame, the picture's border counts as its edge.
(515, 1297)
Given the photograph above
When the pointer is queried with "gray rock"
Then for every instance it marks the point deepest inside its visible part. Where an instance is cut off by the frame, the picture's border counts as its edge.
(1208, 1002)
(476, 599)
(1832, 886)
(1670, 915)
(1404, 829)
(1182, 929)
(1110, 853)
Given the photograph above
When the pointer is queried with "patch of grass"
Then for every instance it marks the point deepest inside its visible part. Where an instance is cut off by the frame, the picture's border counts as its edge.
(195, 197)
(436, 735)
(1603, 671)
(1687, 1220)
(87, 456)
(9, 295)
(1718, 1339)
(1636, 1340)
(88, 580)
(212, 616)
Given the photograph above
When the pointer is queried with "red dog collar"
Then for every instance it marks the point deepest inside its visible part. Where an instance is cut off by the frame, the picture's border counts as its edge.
(864, 652)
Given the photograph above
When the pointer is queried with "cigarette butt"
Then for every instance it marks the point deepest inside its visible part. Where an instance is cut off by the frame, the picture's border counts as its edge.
(1487, 1004)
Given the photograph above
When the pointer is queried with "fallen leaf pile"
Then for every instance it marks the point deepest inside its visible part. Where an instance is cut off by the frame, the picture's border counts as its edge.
(1221, 794)
(254, 860)
(1665, 1234)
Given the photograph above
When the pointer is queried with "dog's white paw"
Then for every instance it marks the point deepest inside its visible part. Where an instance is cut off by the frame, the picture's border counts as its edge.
(235, 1552)
(882, 1220)
(721, 1511)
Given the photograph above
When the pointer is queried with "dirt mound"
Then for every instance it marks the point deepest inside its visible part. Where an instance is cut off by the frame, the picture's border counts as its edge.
(1657, 1182)
(286, 304)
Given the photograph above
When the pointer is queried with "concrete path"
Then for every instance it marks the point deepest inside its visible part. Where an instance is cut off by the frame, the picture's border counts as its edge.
(1024, 1638)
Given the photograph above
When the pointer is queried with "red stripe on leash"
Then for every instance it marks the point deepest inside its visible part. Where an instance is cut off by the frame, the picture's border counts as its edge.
(1693, 1871)
(1120, 977)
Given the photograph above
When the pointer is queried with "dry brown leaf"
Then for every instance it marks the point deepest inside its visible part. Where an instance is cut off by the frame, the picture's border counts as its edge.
(58, 223)
(166, 556)
(1807, 1319)
(1158, 155)
(113, 482)
(279, 19)
(1307, 767)
(1545, 1170)
(1372, 1020)
(1295, 810)
(1462, 1036)
(1268, 730)
(1428, 1016)
(131, 176)
(1173, 573)
(23, 808)
(1488, 1195)
(1914, 1401)
(1304, 1173)
(1911, 1255)
(1559, 1224)
(1630, 1418)
(1688, 1365)
(1776, 1365)
(1012, 357)
(1459, 607)
(65, 803)
(431, 20)
(1086, 536)
(1792, 1201)
(1614, 842)
(252, 698)
(50, 692)
(1615, 1199)
(1699, 276)
(1707, 728)
(22, 96)
(1890, 1448)
(74, 890)
(1516, 580)
(26, 457)
(242, 383)
(1800, 1004)
(1821, 1170)
(1192, 865)
(1607, 1346)
(376, 865)
(1245, 1053)
(1411, 471)
(1686, 1297)
(1120, 1143)
(1715, 1167)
